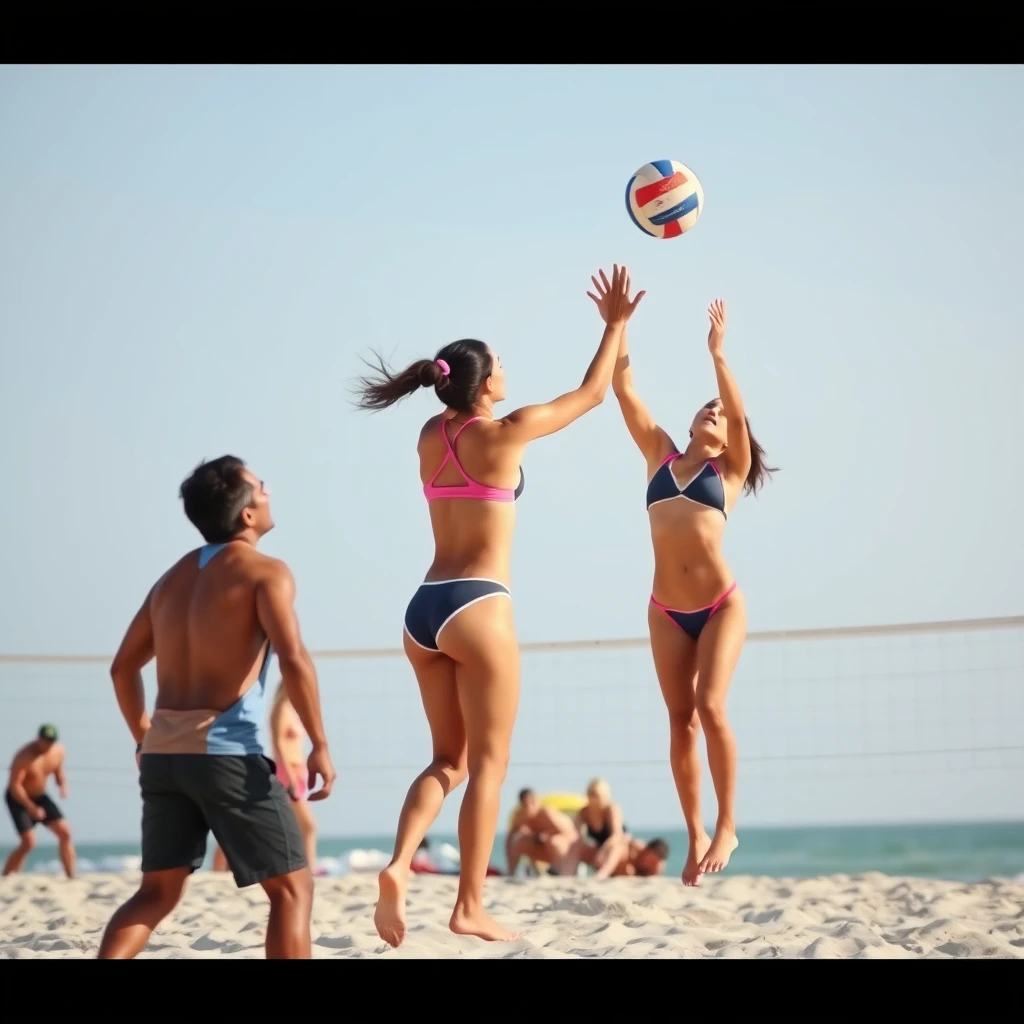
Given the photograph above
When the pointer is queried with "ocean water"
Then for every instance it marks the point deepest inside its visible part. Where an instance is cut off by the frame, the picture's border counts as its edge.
(959, 852)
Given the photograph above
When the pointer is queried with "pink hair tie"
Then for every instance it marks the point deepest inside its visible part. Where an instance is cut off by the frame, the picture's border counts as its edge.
(445, 368)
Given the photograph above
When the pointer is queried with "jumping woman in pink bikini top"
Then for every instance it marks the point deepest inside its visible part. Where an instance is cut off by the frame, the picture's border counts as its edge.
(459, 634)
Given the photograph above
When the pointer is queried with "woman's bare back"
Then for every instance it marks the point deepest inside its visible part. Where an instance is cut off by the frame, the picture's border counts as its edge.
(471, 537)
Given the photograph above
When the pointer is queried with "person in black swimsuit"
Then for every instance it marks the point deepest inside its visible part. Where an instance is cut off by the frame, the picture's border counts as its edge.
(602, 833)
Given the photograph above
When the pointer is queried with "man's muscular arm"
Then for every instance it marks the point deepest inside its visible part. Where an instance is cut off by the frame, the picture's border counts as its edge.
(135, 652)
(275, 606)
(17, 789)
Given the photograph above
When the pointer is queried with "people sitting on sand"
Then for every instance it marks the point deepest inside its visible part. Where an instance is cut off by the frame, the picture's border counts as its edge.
(541, 834)
(639, 858)
(602, 833)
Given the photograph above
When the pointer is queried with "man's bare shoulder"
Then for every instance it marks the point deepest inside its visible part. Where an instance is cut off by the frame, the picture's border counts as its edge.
(24, 756)
(266, 568)
(169, 574)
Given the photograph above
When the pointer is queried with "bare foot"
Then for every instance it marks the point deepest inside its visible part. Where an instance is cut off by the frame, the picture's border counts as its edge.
(718, 855)
(481, 925)
(698, 847)
(389, 917)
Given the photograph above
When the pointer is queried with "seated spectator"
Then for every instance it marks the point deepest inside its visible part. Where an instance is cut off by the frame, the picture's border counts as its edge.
(602, 832)
(541, 834)
(640, 858)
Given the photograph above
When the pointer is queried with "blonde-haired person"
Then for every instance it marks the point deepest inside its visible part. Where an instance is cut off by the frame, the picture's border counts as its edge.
(287, 736)
(603, 834)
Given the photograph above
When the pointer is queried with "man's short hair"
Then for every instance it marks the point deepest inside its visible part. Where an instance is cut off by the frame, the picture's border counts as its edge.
(215, 496)
(659, 848)
(524, 793)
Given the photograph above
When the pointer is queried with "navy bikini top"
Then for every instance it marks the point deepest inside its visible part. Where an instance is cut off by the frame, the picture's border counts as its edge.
(705, 488)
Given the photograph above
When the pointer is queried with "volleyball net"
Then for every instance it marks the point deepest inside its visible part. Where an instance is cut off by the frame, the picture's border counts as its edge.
(906, 722)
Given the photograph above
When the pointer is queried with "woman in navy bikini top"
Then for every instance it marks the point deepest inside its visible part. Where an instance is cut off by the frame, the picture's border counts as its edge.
(696, 614)
(461, 644)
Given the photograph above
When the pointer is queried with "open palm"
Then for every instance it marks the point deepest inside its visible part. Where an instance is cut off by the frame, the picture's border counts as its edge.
(716, 314)
(612, 299)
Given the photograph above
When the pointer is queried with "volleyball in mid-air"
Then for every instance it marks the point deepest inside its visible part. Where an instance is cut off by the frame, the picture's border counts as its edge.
(664, 199)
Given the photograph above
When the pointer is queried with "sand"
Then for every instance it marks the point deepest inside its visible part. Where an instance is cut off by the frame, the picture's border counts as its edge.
(727, 916)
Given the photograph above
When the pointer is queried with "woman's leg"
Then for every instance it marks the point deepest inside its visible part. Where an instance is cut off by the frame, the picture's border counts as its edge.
(675, 662)
(718, 651)
(618, 855)
(481, 640)
(435, 674)
(610, 855)
(581, 852)
(307, 825)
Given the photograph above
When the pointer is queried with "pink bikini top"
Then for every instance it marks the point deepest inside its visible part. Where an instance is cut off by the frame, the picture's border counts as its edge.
(471, 489)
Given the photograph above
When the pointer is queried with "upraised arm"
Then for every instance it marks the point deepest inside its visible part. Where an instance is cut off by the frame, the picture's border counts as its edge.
(613, 302)
(135, 652)
(652, 441)
(737, 455)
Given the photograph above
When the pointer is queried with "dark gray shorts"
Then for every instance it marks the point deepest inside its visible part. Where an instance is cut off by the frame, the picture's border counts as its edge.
(23, 821)
(238, 798)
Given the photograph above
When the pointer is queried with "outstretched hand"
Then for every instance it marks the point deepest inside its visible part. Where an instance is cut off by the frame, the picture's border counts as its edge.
(716, 313)
(612, 300)
(319, 763)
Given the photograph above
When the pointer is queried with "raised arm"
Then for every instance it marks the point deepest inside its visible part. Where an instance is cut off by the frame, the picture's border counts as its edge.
(275, 606)
(135, 652)
(613, 303)
(737, 455)
(652, 441)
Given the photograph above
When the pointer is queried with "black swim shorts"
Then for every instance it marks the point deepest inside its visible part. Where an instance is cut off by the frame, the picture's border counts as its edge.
(23, 821)
(237, 797)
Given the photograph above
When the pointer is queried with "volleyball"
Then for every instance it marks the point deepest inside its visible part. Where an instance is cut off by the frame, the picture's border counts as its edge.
(664, 199)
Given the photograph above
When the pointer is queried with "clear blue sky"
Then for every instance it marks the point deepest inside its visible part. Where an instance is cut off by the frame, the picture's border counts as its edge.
(192, 260)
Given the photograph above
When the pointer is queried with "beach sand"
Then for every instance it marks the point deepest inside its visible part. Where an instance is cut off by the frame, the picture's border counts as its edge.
(841, 916)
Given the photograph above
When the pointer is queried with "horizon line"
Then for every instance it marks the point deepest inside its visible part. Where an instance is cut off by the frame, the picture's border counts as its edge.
(924, 823)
